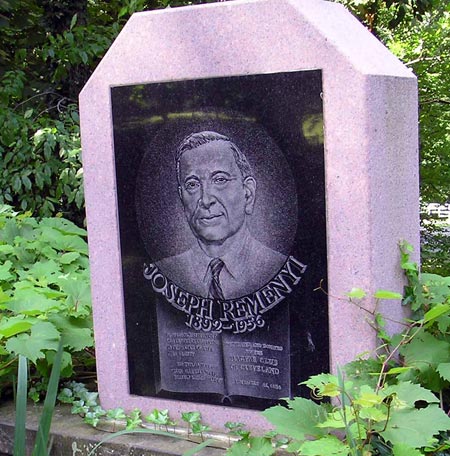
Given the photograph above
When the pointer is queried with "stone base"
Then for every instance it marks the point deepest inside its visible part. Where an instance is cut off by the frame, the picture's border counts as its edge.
(72, 437)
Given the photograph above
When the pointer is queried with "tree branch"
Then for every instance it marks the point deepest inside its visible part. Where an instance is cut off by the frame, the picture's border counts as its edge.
(422, 59)
(435, 100)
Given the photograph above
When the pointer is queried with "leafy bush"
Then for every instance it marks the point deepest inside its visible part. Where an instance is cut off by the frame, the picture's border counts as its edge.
(396, 403)
(44, 293)
(40, 156)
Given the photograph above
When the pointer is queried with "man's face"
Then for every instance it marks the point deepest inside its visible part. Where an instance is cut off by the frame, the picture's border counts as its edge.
(215, 196)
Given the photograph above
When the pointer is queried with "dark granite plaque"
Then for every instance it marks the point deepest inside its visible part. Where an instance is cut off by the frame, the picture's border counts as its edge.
(221, 197)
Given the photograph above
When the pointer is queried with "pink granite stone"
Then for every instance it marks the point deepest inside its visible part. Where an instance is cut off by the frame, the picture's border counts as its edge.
(371, 157)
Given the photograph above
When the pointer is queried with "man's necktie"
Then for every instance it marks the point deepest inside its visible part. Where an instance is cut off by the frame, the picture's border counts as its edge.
(215, 290)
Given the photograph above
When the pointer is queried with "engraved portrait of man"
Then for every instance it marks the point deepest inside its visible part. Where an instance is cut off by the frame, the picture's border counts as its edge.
(218, 191)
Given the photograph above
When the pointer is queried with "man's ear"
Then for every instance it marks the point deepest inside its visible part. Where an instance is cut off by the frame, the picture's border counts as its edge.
(250, 194)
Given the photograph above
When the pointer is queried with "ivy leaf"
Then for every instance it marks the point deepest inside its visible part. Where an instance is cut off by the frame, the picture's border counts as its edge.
(66, 396)
(415, 427)
(191, 417)
(198, 428)
(299, 420)
(329, 445)
(44, 336)
(161, 417)
(134, 419)
(116, 414)
(90, 398)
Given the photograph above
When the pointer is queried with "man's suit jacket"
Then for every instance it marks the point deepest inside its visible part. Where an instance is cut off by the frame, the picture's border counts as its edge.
(247, 268)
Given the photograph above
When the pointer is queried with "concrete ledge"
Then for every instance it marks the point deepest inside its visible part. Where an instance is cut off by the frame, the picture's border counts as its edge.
(72, 437)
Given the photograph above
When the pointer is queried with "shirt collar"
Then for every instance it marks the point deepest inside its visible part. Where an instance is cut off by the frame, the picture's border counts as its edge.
(233, 259)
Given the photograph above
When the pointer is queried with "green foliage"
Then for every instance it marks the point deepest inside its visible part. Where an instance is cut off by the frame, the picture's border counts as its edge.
(40, 155)
(48, 50)
(85, 403)
(160, 418)
(381, 14)
(424, 47)
(252, 446)
(44, 293)
(393, 404)
(418, 32)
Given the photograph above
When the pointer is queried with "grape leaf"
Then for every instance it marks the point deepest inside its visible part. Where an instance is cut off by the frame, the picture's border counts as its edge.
(63, 225)
(415, 427)
(254, 446)
(424, 353)
(6, 249)
(329, 445)
(63, 242)
(9, 232)
(400, 449)
(69, 257)
(29, 302)
(444, 371)
(44, 336)
(4, 270)
(435, 312)
(75, 332)
(46, 272)
(409, 393)
(44, 366)
(78, 294)
(299, 420)
(15, 325)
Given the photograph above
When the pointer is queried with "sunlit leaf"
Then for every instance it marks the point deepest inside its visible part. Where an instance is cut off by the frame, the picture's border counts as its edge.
(44, 336)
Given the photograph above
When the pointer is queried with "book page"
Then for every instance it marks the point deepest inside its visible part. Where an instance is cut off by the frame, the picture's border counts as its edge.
(190, 361)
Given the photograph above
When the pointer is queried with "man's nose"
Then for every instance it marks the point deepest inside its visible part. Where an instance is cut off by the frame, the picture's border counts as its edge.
(207, 197)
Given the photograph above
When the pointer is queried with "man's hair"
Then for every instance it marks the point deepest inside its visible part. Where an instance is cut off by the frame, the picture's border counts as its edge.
(204, 137)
